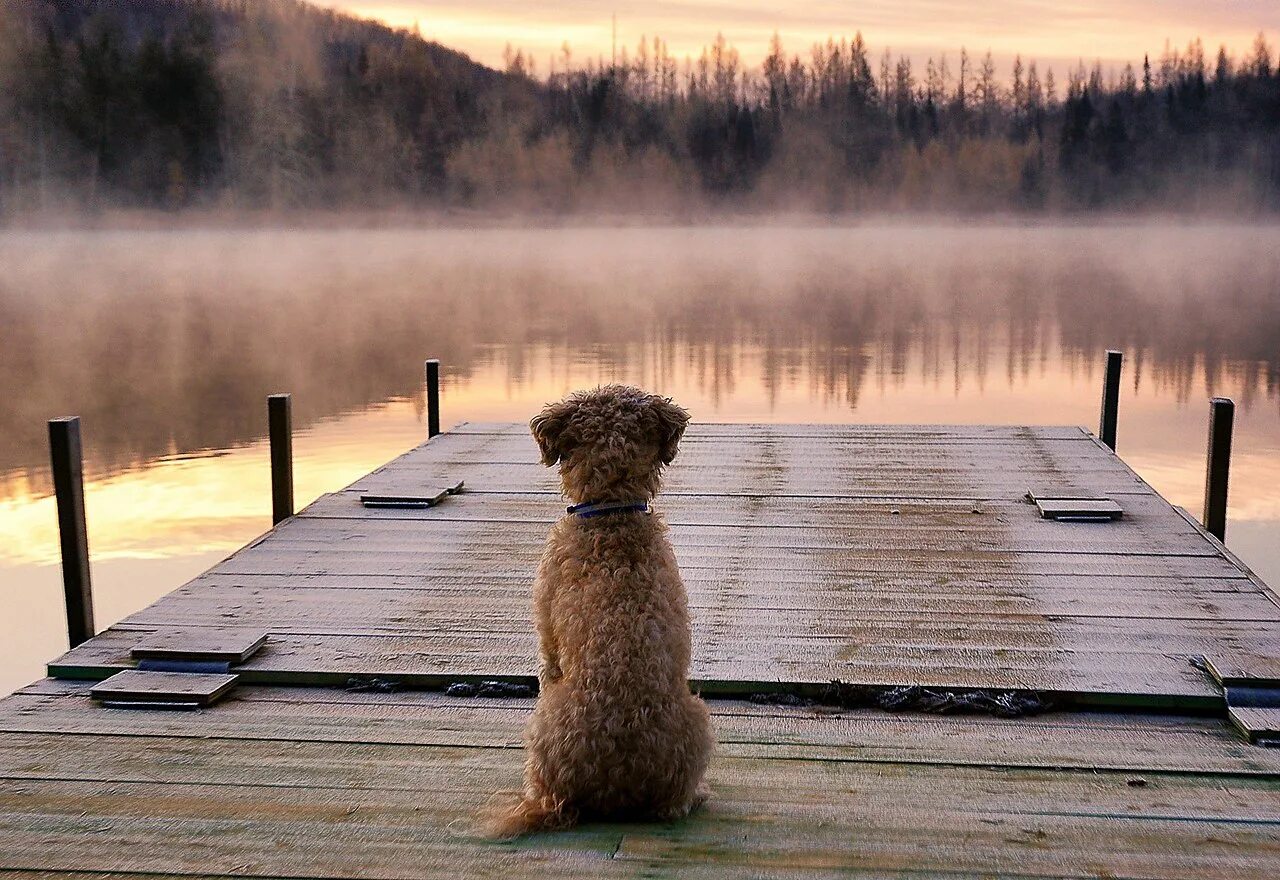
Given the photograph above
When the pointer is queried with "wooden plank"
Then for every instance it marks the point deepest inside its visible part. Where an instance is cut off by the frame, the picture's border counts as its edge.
(226, 644)
(902, 513)
(1081, 740)
(394, 805)
(768, 463)
(797, 589)
(406, 833)
(941, 478)
(163, 687)
(1079, 508)
(385, 598)
(336, 611)
(1154, 673)
(802, 525)
(943, 433)
(412, 494)
(1233, 666)
(1260, 724)
(476, 557)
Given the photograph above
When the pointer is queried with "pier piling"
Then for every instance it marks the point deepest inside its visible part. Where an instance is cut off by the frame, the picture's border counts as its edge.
(433, 398)
(1111, 399)
(68, 487)
(280, 429)
(1221, 418)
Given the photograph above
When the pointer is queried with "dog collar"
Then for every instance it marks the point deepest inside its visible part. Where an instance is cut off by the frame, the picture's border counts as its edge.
(590, 509)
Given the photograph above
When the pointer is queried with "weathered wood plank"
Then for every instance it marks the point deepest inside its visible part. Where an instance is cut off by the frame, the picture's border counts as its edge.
(228, 644)
(903, 513)
(386, 833)
(373, 598)
(1082, 665)
(1260, 724)
(906, 481)
(133, 685)
(940, 433)
(732, 563)
(334, 611)
(1234, 666)
(401, 807)
(768, 463)
(1081, 740)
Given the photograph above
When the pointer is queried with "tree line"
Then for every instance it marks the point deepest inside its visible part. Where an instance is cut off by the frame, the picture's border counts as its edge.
(271, 104)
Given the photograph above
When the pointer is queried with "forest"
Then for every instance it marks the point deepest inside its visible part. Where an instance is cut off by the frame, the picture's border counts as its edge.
(247, 105)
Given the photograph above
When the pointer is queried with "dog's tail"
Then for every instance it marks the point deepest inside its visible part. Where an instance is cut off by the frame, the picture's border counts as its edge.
(512, 814)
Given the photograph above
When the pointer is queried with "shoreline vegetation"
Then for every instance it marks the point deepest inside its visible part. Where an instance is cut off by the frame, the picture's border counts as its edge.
(231, 111)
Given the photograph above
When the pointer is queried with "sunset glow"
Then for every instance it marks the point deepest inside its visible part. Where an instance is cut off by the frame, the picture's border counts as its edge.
(1053, 33)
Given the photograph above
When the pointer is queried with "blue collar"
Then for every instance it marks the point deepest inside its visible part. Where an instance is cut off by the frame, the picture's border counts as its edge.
(589, 509)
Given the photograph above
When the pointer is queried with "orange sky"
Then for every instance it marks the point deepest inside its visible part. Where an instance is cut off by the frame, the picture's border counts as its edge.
(1057, 32)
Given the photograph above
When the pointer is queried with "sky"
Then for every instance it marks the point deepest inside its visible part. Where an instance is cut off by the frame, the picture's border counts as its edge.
(1057, 32)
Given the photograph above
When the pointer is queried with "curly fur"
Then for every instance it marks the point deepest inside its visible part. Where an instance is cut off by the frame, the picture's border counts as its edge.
(616, 734)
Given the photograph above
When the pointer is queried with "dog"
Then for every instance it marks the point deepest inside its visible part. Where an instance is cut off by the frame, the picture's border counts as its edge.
(616, 733)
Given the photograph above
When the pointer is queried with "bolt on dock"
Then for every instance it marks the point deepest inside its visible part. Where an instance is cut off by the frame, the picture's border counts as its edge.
(969, 650)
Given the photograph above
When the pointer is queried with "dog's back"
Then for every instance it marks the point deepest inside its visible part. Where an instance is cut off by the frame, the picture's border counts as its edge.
(616, 734)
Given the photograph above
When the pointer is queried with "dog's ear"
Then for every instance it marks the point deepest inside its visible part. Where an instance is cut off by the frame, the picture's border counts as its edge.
(672, 420)
(548, 429)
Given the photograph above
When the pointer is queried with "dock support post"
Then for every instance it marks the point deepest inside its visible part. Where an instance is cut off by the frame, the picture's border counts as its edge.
(1111, 399)
(280, 430)
(1221, 418)
(68, 486)
(433, 398)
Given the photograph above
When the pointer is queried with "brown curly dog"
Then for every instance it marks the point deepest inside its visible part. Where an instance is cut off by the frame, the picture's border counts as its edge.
(616, 734)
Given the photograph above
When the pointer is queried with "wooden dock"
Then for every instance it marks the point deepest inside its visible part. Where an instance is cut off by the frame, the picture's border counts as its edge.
(876, 556)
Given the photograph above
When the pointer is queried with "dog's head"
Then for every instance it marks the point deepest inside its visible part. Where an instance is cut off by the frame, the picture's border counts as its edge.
(611, 443)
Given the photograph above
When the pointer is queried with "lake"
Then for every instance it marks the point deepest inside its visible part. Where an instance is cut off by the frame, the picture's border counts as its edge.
(166, 343)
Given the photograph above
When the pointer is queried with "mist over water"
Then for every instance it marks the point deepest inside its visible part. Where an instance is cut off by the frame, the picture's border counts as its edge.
(166, 343)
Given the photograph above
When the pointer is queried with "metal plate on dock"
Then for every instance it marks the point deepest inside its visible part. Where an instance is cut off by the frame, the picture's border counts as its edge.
(1074, 506)
(205, 644)
(133, 686)
(429, 497)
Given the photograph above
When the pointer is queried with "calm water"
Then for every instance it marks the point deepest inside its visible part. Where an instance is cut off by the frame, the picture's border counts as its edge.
(166, 344)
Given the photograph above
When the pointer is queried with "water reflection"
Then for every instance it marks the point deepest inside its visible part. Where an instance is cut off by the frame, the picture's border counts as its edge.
(167, 343)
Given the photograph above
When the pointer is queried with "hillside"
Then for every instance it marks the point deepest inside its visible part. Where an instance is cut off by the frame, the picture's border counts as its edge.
(276, 104)
(247, 102)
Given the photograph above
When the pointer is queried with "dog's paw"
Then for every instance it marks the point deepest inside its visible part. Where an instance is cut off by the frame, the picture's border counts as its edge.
(700, 797)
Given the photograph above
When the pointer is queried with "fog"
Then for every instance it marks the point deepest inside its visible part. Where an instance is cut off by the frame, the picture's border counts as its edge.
(168, 341)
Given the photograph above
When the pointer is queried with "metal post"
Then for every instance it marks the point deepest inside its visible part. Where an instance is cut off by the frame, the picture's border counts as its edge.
(1111, 399)
(433, 397)
(1221, 417)
(68, 486)
(280, 429)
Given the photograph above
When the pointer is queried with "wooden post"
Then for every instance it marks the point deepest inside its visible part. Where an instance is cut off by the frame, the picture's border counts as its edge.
(1221, 417)
(280, 429)
(1111, 399)
(68, 486)
(433, 398)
